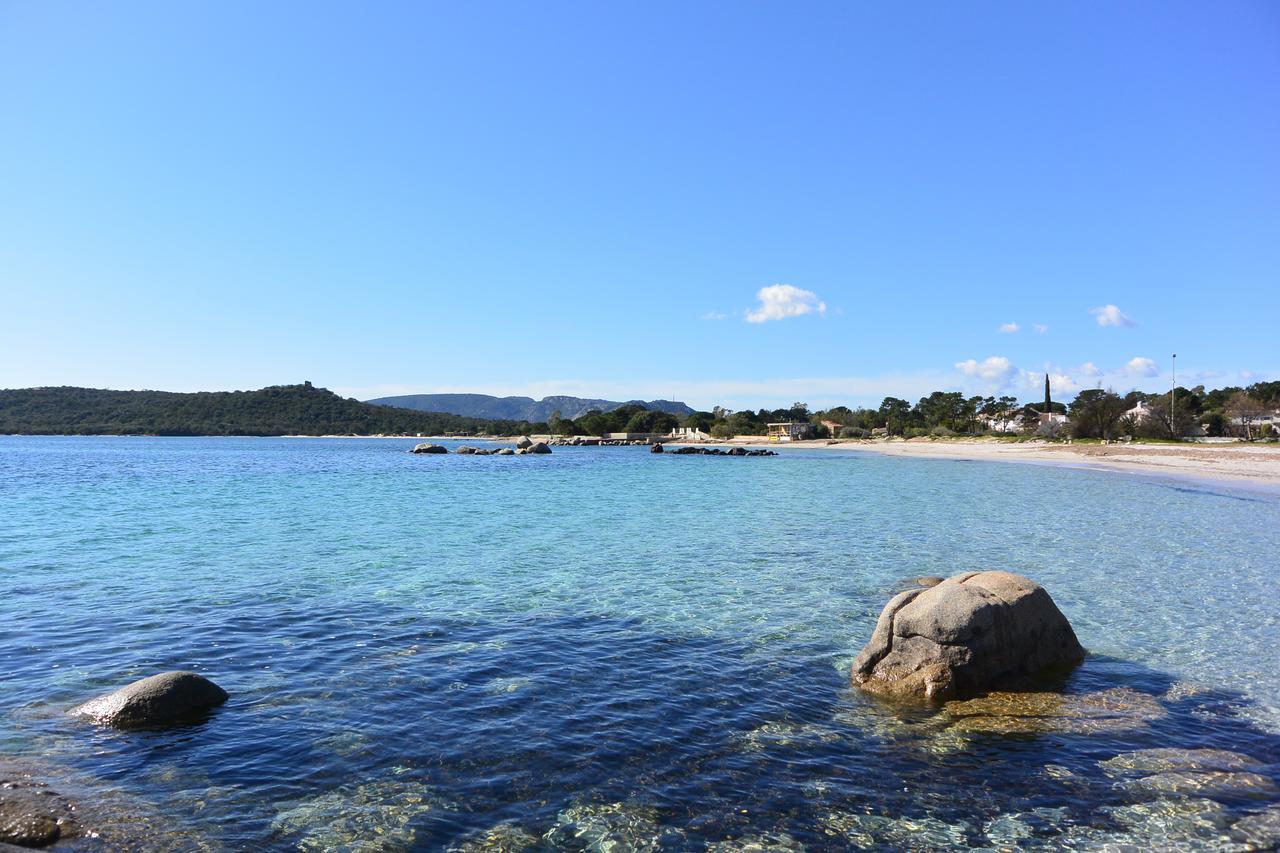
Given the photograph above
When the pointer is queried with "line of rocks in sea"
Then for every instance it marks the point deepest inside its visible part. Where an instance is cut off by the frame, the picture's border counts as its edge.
(523, 446)
(687, 450)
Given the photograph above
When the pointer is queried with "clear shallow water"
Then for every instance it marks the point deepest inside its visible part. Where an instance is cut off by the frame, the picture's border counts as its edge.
(602, 648)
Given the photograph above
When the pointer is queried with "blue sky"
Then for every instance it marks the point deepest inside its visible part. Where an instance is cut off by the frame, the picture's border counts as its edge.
(597, 199)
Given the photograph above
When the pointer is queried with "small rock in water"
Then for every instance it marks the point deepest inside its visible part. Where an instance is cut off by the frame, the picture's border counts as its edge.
(538, 447)
(655, 448)
(506, 451)
(157, 700)
(465, 449)
(429, 448)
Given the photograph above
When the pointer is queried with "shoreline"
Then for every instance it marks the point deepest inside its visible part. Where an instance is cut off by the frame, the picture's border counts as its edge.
(1238, 464)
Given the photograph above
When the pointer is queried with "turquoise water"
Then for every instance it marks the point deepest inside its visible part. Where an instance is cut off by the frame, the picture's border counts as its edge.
(603, 648)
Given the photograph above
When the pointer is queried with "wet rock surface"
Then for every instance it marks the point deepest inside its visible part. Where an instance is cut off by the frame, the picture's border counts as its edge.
(32, 814)
(158, 700)
(970, 633)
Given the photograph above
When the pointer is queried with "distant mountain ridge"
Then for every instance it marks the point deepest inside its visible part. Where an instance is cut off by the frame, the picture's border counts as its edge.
(520, 408)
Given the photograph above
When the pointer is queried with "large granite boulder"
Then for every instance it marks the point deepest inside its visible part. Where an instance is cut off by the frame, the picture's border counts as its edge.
(538, 447)
(970, 633)
(524, 442)
(158, 700)
(429, 448)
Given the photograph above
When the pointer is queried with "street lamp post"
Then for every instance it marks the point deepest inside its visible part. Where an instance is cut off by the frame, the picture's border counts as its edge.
(1173, 400)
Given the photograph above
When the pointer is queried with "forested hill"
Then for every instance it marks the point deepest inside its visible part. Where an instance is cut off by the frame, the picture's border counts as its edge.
(279, 410)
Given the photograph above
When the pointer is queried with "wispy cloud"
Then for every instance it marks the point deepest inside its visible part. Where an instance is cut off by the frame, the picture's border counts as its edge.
(713, 315)
(1140, 366)
(1040, 328)
(1110, 315)
(780, 301)
(1090, 369)
(1009, 328)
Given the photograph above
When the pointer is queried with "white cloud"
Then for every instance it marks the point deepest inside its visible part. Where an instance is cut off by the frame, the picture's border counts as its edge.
(780, 301)
(1110, 315)
(1141, 367)
(1059, 383)
(713, 315)
(1090, 369)
(1009, 328)
(995, 370)
(1041, 328)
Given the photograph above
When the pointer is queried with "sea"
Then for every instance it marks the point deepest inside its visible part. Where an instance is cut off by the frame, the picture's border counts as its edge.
(611, 650)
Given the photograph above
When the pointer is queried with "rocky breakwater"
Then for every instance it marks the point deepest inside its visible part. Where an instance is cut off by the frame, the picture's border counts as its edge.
(971, 633)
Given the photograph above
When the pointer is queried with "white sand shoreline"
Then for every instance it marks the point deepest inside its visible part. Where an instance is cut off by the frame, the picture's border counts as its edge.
(1255, 465)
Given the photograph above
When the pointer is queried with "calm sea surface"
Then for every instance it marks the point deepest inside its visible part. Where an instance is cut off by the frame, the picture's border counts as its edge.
(607, 649)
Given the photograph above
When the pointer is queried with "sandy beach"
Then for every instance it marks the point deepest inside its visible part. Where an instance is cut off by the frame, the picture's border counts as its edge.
(1241, 463)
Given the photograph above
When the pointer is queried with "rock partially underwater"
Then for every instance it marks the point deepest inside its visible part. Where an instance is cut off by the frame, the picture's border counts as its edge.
(155, 701)
(970, 633)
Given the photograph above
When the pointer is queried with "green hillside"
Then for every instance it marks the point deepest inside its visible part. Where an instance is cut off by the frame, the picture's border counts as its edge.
(278, 410)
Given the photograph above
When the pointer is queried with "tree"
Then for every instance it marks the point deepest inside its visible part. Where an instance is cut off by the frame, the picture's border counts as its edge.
(1160, 419)
(895, 413)
(652, 421)
(1094, 413)
(1244, 411)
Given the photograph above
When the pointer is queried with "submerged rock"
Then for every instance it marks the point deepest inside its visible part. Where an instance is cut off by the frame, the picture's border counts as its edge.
(369, 816)
(1112, 710)
(157, 700)
(503, 838)
(1146, 762)
(429, 448)
(1214, 784)
(1262, 830)
(970, 633)
(506, 451)
(43, 804)
(612, 827)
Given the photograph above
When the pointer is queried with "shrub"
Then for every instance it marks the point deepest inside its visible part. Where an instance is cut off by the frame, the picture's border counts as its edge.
(854, 432)
(941, 432)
